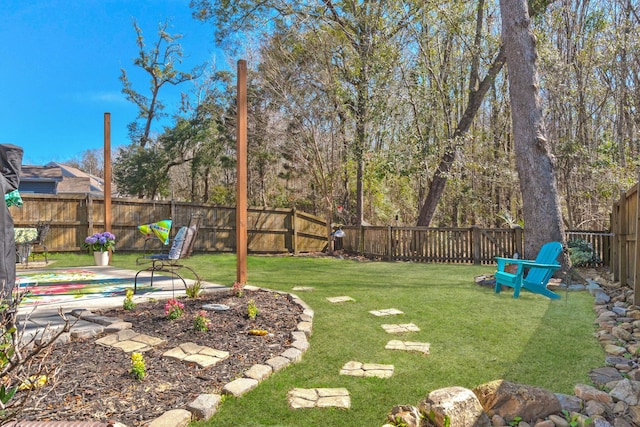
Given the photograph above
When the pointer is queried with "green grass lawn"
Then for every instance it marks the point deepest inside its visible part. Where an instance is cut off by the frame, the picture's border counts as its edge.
(476, 336)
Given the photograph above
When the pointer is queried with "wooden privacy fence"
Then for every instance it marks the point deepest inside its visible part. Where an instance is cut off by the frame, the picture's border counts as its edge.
(74, 217)
(472, 245)
(625, 223)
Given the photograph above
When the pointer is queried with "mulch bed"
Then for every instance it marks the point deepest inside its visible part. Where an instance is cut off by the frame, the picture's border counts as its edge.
(89, 382)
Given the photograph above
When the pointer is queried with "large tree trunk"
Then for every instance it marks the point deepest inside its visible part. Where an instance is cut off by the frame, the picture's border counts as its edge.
(542, 216)
(361, 112)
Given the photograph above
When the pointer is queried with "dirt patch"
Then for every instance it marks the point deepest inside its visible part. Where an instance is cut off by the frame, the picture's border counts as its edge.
(89, 382)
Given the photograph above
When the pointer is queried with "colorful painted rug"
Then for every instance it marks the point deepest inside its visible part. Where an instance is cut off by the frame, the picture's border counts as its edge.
(72, 285)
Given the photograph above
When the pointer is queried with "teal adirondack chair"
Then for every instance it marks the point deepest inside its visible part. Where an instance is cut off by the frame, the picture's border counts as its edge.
(537, 275)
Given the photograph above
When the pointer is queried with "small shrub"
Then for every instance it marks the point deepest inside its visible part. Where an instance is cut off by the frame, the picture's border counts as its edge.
(201, 322)
(128, 303)
(581, 253)
(193, 291)
(252, 309)
(238, 289)
(173, 309)
(138, 368)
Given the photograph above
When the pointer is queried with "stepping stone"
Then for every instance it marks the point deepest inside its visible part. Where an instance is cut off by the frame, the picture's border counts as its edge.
(336, 300)
(129, 341)
(400, 328)
(386, 312)
(303, 288)
(299, 398)
(199, 354)
(422, 347)
(358, 369)
(215, 307)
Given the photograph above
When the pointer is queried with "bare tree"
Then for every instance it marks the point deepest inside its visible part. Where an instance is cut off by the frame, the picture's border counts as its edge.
(159, 63)
(306, 114)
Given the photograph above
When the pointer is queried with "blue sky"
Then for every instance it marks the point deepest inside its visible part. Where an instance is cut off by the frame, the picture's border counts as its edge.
(60, 69)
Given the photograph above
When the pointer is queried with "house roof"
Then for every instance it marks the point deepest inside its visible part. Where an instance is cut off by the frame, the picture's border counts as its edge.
(40, 173)
(66, 179)
(78, 180)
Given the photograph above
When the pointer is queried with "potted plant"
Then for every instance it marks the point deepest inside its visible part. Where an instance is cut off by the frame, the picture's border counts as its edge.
(100, 243)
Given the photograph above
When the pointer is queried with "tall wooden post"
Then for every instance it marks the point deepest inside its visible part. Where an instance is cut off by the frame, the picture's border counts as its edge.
(107, 173)
(241, 196)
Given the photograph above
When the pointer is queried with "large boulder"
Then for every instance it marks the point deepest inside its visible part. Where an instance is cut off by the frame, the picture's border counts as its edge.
(510, 400)
(455, 407)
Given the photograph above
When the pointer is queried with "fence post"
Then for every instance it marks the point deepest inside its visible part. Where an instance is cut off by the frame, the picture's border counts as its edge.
(622, 238)
(636, 268)
(294, 218)
(518, 241)
(172, 210)
(606, 246)
(475, 238)
(89, 215)
(389, 243)
(615, 256)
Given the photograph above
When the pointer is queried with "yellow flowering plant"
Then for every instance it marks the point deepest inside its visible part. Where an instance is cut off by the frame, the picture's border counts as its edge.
(138, 367)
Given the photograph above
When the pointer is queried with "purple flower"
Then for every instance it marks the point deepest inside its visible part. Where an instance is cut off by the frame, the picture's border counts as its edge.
(100, 241)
